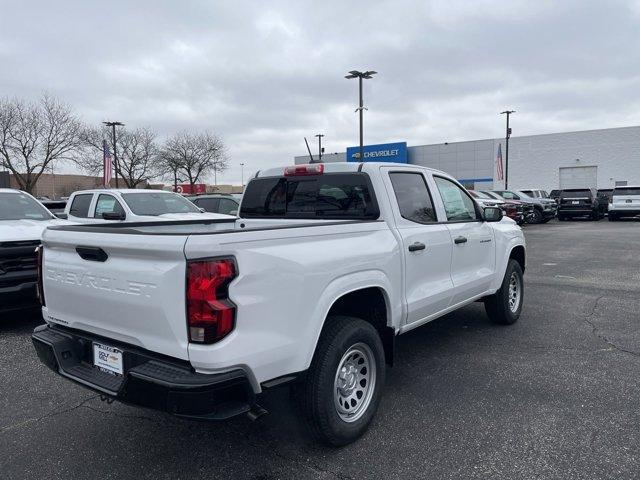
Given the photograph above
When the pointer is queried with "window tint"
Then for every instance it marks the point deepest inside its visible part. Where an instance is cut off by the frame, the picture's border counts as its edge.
(627, 191)
(508, 195)
(412, 195)
(80, 206)
(107, 204)
(528, 192)
(19, 206)
(209, 204)
(576, 194)
(158, 203)
(333, 195)
(457, 204)
(227, 206)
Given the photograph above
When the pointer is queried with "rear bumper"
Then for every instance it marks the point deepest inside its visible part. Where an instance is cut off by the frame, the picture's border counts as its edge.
(150, 380)
(578, 211)
(624, 211)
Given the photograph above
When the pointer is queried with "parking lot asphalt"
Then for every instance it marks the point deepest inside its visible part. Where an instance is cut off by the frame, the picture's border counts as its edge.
(553, 396)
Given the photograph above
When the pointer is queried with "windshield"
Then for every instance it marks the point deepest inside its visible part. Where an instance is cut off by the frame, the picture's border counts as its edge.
(483, 195)
(158, 203)
(19, 206)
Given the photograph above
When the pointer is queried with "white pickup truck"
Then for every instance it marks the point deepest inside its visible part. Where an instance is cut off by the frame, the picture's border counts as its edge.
(309, 287)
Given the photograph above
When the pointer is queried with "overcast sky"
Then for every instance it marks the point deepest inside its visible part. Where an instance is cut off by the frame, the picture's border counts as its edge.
(263, 75)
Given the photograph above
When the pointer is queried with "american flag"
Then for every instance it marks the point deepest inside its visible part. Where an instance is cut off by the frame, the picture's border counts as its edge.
(107, 164)
(499, 170)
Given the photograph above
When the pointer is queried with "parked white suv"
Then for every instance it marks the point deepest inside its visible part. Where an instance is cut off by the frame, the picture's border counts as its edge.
(132, 205)
(625, 202)
(309, 287)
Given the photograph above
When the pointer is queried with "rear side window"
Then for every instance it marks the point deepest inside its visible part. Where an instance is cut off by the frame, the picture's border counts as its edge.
(575, 194)
(80, 205)
(412, 195)
(326, 196)
(228, 207)
(626, 191)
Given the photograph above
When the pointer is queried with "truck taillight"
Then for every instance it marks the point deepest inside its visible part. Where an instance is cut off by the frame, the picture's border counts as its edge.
(210, 314)
(40, 260)
(301, 170)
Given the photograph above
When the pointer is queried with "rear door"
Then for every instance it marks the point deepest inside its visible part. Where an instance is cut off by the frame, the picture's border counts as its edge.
(426, 244)
(473, 257)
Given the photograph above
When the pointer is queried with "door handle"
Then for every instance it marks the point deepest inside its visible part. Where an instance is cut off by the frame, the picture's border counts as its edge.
(414, 247)
(459, 240)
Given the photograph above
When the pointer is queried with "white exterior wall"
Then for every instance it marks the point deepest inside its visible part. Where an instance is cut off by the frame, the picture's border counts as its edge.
(535, 161)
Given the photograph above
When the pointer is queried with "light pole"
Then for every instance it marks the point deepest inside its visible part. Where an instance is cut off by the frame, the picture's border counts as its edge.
(506, 152)
(242, 175)
(360, 76)
(113, 126)
(319, 147)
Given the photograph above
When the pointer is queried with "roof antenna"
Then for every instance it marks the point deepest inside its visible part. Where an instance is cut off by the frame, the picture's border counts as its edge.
(309, 150)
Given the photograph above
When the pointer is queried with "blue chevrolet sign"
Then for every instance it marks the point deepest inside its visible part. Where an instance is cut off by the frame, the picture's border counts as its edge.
(385, 152)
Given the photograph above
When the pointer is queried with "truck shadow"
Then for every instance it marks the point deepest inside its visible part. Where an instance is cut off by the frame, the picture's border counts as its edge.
(20, 321)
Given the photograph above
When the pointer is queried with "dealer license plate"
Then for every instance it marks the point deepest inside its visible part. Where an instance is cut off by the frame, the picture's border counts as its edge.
(107, 358)
(575, 202)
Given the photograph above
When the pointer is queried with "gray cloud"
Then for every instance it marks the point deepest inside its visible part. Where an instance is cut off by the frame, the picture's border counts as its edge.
(264, 74)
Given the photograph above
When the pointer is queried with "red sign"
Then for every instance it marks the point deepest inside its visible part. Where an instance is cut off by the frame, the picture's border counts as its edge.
(191, 189)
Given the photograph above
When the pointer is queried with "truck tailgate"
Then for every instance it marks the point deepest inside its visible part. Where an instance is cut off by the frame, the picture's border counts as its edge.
(134, 292)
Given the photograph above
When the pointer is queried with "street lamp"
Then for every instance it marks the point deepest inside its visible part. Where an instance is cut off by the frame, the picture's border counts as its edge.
(113, 126)
(319, 147)
(506, 153)
(242, 175)
(360, 76)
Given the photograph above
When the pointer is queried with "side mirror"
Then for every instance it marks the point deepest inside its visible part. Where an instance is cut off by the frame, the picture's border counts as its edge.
(113, 216)
(63, 216)
(492, 214)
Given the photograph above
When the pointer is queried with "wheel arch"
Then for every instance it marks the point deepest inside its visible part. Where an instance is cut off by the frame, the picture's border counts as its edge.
(369, 299)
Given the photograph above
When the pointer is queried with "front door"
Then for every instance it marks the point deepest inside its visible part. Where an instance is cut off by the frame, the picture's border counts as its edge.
(472, 239)
(426, 245)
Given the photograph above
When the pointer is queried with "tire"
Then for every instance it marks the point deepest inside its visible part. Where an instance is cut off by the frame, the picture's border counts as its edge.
(545, 220)
(561, 218)
(595, 216)
(498, 306)
(536, 216)
(345, 344)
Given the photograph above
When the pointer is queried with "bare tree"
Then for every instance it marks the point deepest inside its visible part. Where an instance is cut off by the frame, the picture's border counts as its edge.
(138, 154)
(191, 156)
(36, 135)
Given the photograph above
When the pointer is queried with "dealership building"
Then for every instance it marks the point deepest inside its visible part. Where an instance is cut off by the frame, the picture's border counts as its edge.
(592, 158)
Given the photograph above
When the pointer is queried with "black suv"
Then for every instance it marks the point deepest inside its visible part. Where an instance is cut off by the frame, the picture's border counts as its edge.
(581, 202)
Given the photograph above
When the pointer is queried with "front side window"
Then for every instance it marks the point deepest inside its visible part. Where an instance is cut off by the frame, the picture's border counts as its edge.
(19, 206)
(458, 206)
(154, 204)
(413, 197)
(107, 204)
(80, 205)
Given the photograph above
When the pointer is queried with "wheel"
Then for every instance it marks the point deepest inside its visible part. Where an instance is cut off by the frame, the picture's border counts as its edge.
(504, 306)
(595, 216)
(545, 220)
(536, 216)
(343, 386)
